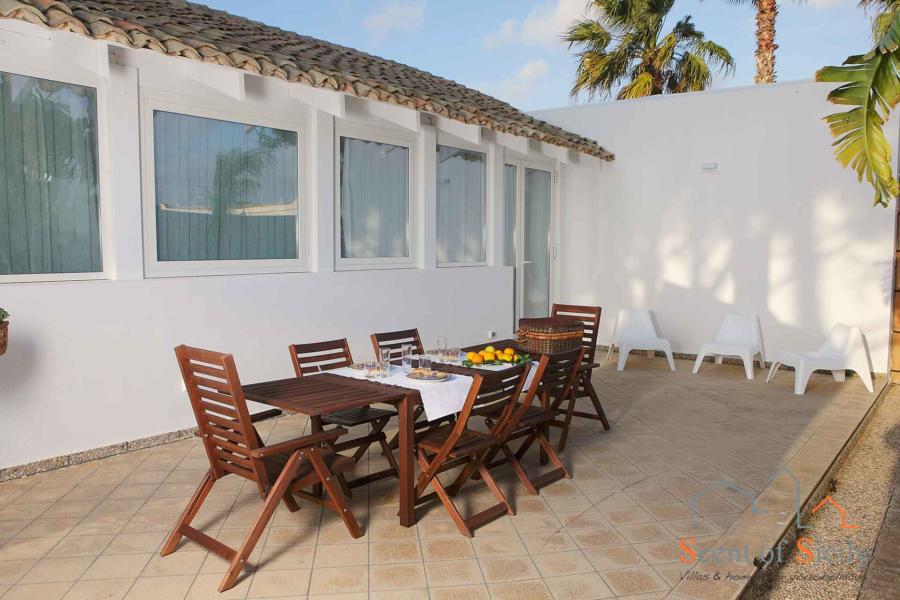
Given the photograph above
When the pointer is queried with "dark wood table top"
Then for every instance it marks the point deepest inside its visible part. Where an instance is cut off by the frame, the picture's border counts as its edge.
(317, 395)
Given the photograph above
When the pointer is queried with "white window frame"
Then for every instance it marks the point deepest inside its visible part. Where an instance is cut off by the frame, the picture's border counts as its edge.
(445, 139)
(152, 101)
(11, 63)
(381, 135)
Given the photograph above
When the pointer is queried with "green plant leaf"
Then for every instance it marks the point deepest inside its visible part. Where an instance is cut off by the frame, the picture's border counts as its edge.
(871, 86)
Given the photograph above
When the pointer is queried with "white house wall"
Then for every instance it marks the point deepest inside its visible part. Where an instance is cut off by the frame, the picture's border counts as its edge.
(91, 363)
(778, 228)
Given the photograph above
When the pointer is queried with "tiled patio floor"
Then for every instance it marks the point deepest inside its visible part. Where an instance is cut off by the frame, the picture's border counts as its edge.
(93, 531)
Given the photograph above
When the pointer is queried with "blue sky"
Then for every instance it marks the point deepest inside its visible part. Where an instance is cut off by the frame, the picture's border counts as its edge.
(510, 48)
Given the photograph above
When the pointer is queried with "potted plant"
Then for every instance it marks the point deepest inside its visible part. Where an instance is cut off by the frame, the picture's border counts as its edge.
(4, 327)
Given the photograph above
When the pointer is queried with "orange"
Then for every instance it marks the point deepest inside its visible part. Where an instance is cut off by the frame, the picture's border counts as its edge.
(489, 356)
(471, 356)
(509, 351)
(477, 359)
(504, 357)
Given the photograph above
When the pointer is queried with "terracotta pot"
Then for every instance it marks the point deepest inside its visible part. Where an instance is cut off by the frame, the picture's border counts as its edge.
(4, 336)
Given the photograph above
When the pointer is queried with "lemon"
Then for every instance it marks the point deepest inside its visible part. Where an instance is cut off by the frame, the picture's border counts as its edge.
(502, 357)
(489, 356)
(490, 349)
(509, 351)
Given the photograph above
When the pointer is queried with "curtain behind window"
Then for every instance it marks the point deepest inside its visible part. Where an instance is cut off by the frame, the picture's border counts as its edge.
(49, 193)
(224, 190)
(460, 205)
(374, 180)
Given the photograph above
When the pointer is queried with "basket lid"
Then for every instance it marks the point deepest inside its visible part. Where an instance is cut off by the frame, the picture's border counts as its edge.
(550, 324)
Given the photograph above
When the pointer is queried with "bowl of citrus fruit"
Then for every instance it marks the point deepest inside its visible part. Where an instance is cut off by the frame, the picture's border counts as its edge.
(494, 356)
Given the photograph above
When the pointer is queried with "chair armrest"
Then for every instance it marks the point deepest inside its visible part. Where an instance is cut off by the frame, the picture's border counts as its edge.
(266, 414)
(304, 442)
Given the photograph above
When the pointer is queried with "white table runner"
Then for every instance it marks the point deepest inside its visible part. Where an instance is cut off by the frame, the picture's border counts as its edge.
(438, 398)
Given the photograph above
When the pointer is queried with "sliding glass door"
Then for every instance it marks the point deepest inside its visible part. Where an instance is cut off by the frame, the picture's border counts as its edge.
(528, 197)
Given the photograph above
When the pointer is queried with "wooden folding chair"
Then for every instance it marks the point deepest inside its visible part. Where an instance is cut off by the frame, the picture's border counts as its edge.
(394, 341)
(554, 378)
(455, 445)
(334, 354)
(589, 316)
(233, 446)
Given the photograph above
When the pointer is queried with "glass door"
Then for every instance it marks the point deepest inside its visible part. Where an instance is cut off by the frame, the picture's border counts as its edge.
(527, 197)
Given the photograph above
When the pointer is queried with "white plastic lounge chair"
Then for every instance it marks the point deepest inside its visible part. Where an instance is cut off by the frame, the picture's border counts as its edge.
(634, 330)
(740, 336)
(844, 350)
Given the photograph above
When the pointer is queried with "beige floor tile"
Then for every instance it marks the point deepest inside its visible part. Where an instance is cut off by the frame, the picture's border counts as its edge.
(614, 557)
(117, 566)
(339, 580)
(467, 592)
(656, 553)
(110, 589)
(206, 586)
(492, 546)
(520, 590)
(630, 582)
(154, 588)
(135, 543)
(47, 527)
(38, 591)
(450, 549)
(397, 576)
(286, 557)
(562, 563)
(81, 545)
(392, 552)
(417, 594)
(508, 569)
(12, 570)
(453, 573)
(581, 586)
(49, 570)
(183, 561)
(599, 537)
(23, 548)
(273, 584)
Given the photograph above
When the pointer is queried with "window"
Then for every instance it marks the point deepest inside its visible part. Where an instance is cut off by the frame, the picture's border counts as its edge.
(49, 186)
(461, 211)
(374, 206)
(225, 194)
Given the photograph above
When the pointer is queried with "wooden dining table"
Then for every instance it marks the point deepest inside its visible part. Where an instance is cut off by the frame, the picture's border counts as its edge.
(326, 393)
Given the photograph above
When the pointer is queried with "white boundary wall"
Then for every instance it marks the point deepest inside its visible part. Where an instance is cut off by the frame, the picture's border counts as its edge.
(778, 229)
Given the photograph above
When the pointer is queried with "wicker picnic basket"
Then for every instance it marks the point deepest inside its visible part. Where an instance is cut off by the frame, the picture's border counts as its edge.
(4, 336)
(548, 335)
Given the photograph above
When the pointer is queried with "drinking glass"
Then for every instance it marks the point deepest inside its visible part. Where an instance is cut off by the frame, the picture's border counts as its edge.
(452, 355)
(371, 369)
(385, 362)
(441, 347)
(425, 361)
(406, 357)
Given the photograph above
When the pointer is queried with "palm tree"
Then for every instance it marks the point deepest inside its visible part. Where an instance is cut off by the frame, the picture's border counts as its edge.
(766, 12)
(871, 89)
(625, 50)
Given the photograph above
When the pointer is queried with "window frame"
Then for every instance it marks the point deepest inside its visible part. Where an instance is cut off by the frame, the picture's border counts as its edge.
(458, 144)
(81, 78)
(371, 133)
(153, 267)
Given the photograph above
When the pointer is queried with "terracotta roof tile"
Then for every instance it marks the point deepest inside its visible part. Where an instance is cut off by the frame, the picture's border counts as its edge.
(201, 33)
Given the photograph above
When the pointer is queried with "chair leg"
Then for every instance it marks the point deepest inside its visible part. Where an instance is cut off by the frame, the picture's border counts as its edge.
(839, 375)
(623, 357)
(290, 503)
(772, 371)
(520, 472)
(492, 485)
(801, 378)
(189, 513)
(595, 400)
(567, 423)
(670, 358)
(278, 491)
(747, 359)
(442, 495)
(698, 362)
(334, 493)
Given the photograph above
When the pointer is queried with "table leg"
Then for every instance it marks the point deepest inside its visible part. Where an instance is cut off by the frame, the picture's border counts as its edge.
(545, 404)
(405, 459)
(315, 426)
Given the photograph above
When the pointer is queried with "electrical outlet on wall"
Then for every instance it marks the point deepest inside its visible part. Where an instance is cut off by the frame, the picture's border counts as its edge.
(492, 335)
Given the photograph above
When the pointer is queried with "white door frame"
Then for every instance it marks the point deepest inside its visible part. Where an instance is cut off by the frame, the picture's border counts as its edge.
(521, 163)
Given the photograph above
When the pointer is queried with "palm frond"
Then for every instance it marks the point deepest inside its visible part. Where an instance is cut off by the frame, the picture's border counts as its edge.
(871, 86)
(638, 87)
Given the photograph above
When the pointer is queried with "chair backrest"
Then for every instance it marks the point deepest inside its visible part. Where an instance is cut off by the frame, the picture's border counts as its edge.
(219, 406)
(493, 394)
(553, 378)
(635, 323)
(843, 341)
(589, 316)
(395, 340)
(740, 329)
(316, 357)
